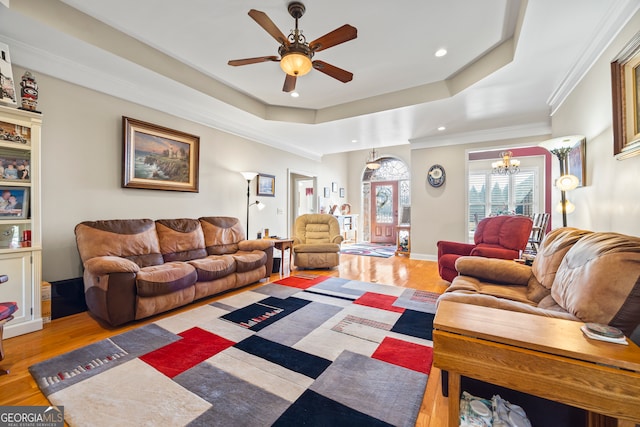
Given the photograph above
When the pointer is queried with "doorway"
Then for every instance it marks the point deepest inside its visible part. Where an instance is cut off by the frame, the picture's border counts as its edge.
(384, 211)
(386, 191)
(303, 196)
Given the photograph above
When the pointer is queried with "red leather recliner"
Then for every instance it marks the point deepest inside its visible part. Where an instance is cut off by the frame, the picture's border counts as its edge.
(495, 237)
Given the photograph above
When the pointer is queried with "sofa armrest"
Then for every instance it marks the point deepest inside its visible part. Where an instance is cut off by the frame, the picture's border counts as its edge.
(110, 264)
(255, 244)
(458, 248)
(494, 270)
(337, 239)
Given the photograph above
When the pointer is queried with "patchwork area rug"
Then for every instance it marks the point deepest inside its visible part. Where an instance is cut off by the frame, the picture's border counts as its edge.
(304, 350)
(369, 249)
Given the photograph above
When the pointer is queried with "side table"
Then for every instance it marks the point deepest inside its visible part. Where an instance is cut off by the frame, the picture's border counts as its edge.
(538, 355)
(282, 245)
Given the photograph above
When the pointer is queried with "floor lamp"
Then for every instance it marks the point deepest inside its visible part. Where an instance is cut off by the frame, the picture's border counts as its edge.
(249, 177)
(560, 147)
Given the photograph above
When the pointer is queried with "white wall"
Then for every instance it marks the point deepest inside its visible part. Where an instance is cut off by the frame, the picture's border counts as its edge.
(441, 213)
(611, 200)
(82, 166)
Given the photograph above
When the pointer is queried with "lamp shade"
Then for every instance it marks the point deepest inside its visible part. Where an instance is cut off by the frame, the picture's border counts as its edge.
(570, 207)
(567, 182)
(249, 175)
(296, 64)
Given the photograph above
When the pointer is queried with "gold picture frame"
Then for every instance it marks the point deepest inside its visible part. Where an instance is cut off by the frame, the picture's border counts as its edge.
(625, 84)
(159, 158)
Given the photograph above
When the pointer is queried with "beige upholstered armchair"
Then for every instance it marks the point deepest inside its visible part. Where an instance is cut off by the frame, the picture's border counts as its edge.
(316, 241)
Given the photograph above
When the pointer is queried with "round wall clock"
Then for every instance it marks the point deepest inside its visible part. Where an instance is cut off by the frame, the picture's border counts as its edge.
(436, 176)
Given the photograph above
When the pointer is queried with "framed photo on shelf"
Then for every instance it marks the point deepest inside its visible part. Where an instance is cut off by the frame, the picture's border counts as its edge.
(11, 132)
(14, 203)
(14, 165)
(625, 81)
(266, 185)
(159, 158)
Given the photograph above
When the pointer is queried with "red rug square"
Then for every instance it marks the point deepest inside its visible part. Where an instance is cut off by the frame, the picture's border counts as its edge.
(196, 345)
(406, 354)
(300, 282)
(383, 302)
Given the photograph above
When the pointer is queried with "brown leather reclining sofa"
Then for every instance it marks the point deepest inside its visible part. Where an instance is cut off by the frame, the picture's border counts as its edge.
(135, 268)
(577, 274)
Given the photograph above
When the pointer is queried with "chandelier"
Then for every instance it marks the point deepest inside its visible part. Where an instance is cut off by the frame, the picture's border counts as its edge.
(506, 166)
(373, 162)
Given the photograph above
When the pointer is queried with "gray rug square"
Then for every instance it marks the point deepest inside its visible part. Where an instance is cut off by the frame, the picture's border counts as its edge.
(234, 401)
(388, 392)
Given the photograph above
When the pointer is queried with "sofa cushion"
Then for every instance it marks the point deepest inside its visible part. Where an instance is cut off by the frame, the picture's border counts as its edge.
(317, 228)
(165, 278)
(506, 231)
(214, 267)
(221, 234)
(552, 251)
(598, 280)
(133, 239)
(180, 239)
(317, 248)
(248, 261)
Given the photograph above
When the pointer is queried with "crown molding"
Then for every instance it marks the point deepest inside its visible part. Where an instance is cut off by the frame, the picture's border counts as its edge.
(619, 14)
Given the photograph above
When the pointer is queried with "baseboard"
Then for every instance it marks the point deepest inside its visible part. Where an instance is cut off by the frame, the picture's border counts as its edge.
(67, 297)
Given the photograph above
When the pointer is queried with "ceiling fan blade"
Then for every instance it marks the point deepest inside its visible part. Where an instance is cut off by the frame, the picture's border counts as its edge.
(289, 83)
(337, 36)
(247, 61)
(332, 71)
(265, 22)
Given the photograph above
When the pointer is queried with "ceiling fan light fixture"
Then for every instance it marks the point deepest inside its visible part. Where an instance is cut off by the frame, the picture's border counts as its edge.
(296, 64)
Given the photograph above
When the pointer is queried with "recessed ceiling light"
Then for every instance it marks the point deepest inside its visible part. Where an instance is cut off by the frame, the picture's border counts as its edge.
(354, 140)
(441, 128)
(441, 52)
(295, 94)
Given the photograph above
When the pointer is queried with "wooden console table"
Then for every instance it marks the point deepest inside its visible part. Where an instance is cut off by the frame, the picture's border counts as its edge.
(538, 355)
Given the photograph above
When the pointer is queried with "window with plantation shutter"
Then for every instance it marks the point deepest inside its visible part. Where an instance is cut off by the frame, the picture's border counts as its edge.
(490, 195)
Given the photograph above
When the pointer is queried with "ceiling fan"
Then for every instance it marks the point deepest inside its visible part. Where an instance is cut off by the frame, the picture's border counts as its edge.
(296, 53)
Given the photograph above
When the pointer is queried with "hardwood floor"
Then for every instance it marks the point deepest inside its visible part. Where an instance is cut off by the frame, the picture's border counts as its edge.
(72, 332)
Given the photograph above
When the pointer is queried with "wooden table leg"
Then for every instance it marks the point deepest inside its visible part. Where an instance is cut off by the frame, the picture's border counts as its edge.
(454, 399)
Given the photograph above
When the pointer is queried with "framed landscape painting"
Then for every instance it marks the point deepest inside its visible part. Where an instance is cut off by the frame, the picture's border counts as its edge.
(266, 185)
(159, 158)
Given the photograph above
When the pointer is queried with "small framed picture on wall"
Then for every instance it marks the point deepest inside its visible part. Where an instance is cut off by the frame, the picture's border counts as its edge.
(326, 193)
(334, 187)
(266, 185)
(342, 193)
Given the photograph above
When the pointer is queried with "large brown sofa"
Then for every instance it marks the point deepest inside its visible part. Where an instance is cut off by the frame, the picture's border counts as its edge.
(577, 274)
(135, 268)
